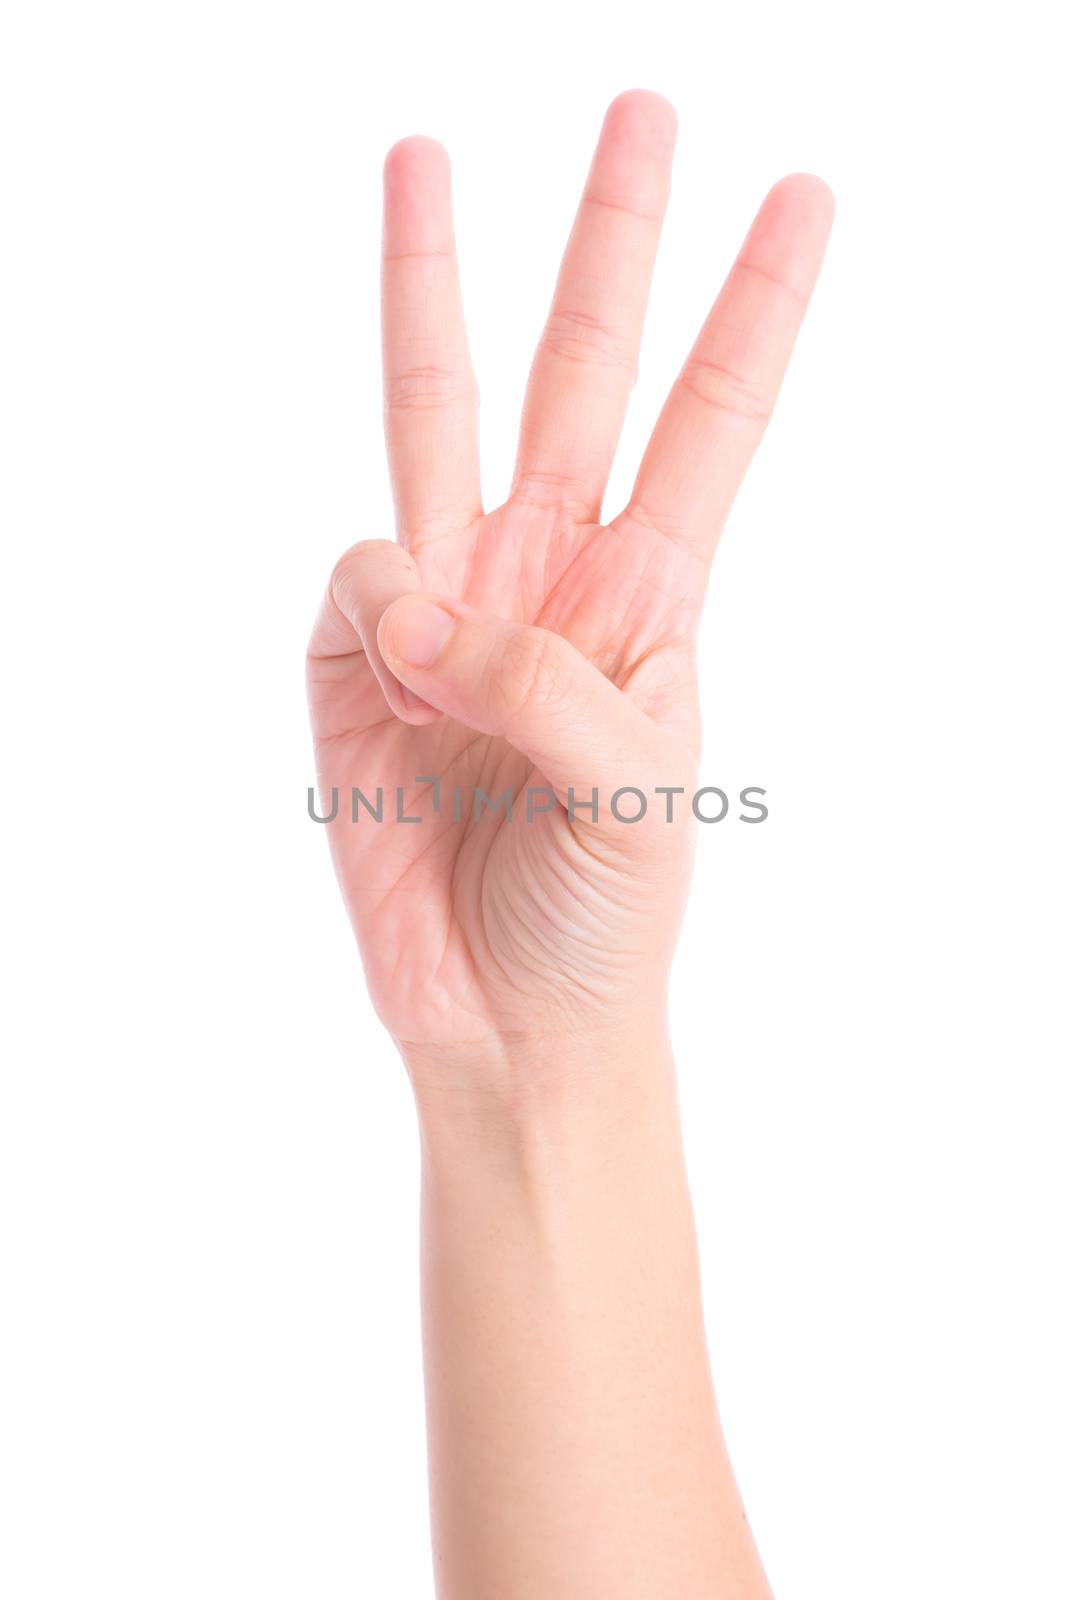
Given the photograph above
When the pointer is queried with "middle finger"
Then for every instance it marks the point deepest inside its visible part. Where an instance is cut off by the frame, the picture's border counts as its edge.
(586, 361)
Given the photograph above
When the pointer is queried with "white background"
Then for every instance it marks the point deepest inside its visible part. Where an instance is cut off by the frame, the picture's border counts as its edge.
(210, 1374)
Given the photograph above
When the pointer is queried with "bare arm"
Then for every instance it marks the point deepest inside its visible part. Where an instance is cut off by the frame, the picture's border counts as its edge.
(520, 954)
(574, 1443)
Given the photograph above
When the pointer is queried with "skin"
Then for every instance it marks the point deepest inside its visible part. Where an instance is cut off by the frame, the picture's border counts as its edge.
(522, 968)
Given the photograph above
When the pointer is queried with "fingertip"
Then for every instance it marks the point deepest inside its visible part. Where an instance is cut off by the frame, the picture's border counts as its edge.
(417, 185)
(645, 116)
(414, 710)
(631, 167)
(805, 191)
(404, 703)
(789, 235)
(417, 152)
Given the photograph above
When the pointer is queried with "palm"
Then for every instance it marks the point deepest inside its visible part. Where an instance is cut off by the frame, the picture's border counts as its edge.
(537, 566)
(624, 594)
(473, 925)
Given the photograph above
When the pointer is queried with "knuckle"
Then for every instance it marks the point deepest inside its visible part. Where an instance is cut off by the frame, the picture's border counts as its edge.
(659, 522)
(725, 388)
(440, 520)
(429, 388)
(787, 290)
(580, 337)
(562, 493)
(351, 570)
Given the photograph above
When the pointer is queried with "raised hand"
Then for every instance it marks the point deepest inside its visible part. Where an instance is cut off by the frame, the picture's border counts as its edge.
(531, 649)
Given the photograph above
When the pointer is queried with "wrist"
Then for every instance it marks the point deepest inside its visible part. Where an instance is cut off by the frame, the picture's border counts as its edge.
(543, 1093)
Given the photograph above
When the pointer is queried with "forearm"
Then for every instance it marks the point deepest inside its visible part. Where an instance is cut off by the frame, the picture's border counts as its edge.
(575, 1449)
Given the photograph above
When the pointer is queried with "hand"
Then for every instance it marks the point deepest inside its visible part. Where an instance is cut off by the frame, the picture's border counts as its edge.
(533, 649)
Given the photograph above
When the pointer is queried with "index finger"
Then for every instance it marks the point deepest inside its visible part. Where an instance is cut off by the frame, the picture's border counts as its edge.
(431, 399)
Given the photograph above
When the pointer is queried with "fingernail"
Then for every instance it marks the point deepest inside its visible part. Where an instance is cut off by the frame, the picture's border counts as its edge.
(415, 702)
(400, 693)
(418, 631)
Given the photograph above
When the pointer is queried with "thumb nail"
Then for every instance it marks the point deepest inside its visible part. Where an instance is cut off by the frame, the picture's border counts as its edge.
(417, 631)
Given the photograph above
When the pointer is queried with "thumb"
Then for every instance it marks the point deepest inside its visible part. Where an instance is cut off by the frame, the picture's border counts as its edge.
(534, 689)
